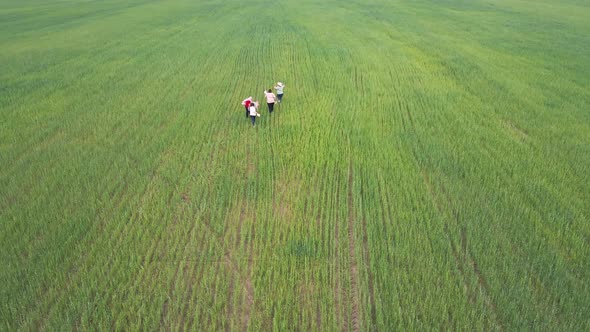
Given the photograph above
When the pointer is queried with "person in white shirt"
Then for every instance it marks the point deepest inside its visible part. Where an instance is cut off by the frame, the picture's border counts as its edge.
(246, 103)
(279, 87)
(253, 112)
(270, 100)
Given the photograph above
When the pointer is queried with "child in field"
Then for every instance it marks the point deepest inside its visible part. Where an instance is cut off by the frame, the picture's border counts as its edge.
(270, 100)
(253, 109)
(246, 103)
(279, 87)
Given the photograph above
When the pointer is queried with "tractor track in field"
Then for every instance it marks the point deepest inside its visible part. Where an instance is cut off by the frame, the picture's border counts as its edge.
(187, 88)
(410, 117)
(248, 277)
(464, 257)
(367, 257)
(126, 228)
(163, 317)
(385, 213)
(230, 263)
(318, 219)
(73, 270)
(466, 264)
(370, 277)
(189, 270)
(172, 286)
(322, 199)
(192, 278)
(386, 207)
(203, 312)
(249, 286)
(321, 202)
(179, 268)
(194, 282)
(337, 291)
(244, 310)
(146, 260)
(353, 269)
(231, 289)
(230, 305)
(42, 144)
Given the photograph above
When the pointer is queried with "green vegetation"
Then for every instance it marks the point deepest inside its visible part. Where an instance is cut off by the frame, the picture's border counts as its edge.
(428, 168)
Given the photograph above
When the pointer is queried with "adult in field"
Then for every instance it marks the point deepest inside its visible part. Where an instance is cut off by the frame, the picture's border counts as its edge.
(253, 109)
(279, 87)
(270, 100)
(246, 103)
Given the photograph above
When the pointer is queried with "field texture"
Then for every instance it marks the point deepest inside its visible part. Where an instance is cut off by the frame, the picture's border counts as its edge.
(429, 167)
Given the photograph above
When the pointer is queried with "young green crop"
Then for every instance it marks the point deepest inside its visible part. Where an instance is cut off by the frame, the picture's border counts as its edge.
(427, 168)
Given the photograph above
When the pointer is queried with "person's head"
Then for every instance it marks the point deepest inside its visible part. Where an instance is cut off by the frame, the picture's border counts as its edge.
(269, 90)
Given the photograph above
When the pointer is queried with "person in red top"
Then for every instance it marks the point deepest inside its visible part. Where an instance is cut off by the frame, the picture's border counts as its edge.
(246, 102)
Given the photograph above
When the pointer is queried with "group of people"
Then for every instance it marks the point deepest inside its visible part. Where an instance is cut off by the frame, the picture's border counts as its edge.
(271, 99)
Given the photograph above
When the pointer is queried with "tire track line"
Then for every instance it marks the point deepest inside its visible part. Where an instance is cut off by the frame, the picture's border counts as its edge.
(192, 278)
(337, 290)
(367, 256)
(172, 285)
(178, 249)
(353, 269)
(247, 279)
(462, 257)
(248, 284)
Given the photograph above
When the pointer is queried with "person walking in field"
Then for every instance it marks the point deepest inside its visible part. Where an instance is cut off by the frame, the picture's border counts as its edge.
(246, 103)
(253, 110)
(279, 87)
(270, 100)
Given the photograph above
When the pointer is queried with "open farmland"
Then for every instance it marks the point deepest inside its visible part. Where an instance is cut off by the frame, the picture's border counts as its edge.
(429, 167)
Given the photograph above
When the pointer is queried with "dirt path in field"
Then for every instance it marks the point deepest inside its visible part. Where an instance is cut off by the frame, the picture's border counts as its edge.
(353, 270)
(463, 258)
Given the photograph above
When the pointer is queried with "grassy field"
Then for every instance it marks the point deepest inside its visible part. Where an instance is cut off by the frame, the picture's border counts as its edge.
(429, 167)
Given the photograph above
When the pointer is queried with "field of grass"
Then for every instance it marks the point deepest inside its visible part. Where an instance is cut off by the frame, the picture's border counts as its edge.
(429, 167)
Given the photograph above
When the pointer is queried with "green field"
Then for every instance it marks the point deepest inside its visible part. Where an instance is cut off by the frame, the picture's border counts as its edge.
(428, 169)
